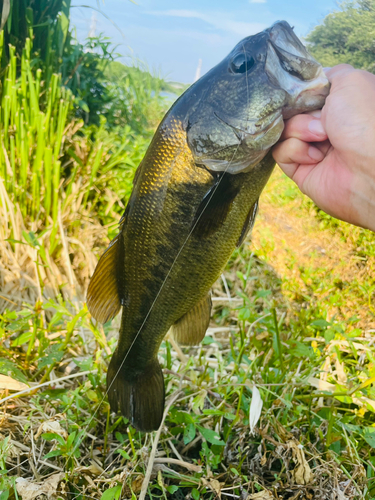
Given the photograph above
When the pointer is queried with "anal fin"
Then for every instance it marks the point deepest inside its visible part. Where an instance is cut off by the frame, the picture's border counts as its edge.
(191, 327)
(103, 294)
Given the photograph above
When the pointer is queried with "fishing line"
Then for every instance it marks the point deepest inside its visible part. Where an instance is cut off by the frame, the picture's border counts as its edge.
(156, 298)
(169, 272)
(188, 236)
(247, 86)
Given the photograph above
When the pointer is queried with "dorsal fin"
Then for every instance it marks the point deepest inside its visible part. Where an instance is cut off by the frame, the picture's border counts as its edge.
(215, 205)
(249, 223)
(103, 294)
(191, 327)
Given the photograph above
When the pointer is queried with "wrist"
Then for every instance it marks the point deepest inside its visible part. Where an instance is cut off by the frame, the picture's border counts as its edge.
(363, 202)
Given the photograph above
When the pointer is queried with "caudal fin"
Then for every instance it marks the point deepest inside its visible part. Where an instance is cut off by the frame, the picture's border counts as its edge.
(139, 397)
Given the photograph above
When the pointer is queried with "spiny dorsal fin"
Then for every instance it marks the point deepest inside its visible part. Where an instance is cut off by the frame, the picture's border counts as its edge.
(103, 294)
(214, 207)
(249, 223)
(191, 327)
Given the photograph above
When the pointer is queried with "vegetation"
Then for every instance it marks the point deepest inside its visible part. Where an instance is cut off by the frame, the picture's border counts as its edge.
(300, 334)
(292, 327)
(49, 22)
(346, 36)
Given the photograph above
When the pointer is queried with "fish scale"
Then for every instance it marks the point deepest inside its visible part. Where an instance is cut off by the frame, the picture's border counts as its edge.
(194, 198)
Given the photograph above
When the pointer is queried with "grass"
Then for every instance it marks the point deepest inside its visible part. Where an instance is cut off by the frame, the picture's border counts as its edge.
(290, 328)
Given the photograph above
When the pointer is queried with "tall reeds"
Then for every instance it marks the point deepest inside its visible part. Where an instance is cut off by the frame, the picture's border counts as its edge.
(31, 135)
(52, 176)
(61, 178)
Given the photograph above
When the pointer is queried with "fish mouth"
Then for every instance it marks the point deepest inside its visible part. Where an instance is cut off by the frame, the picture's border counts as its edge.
(244, 131)
(293, 56)
(291, 68)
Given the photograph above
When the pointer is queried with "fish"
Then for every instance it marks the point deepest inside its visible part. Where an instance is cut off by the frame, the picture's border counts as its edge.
(194, 199)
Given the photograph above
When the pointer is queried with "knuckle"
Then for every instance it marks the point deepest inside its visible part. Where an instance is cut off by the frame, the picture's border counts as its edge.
(295, 145)
(345, 66)
(359, 77)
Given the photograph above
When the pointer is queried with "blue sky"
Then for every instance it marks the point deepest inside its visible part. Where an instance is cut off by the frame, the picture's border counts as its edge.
(171, 36)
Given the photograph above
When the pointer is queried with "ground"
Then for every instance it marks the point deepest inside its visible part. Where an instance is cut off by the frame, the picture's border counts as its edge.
(292, 330)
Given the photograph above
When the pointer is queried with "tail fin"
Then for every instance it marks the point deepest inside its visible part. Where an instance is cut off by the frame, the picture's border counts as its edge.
(139, 397)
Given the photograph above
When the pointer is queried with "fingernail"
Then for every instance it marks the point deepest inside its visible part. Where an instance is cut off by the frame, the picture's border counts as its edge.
(316, 127)
(316, 114)
(315, 154)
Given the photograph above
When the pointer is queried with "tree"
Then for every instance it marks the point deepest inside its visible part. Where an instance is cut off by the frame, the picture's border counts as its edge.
(346, 36)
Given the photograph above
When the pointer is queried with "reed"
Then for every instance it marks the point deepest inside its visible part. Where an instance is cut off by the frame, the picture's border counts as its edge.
(55, 176)
(46, 22)
(31, 136)
(66, 159)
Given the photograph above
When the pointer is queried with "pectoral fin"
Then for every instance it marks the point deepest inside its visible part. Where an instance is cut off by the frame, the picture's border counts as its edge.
(191, 327)
(249, 223)
(103, 294)
(215, 206)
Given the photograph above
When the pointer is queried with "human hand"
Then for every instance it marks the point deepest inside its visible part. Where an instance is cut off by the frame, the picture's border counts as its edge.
(330, 154)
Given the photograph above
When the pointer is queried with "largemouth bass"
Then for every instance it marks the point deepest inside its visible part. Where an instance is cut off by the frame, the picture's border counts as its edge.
(194, 199)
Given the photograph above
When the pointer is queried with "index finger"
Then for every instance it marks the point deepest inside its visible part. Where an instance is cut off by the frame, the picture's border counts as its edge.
(338, 71)
(306, 127)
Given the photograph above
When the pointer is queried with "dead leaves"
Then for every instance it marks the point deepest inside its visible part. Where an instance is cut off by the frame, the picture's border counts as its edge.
(29, 490)
(302, 473)
(10, 384)
(52, 425)
(213, 484)
(261, 495)
(94, 469)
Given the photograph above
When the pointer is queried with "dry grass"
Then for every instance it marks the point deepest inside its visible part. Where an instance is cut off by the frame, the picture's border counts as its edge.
(28, 273)
(316, 260)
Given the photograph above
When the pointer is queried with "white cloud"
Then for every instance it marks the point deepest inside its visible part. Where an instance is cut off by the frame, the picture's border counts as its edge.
(243, 28)
(257, 1)
(180, 13)
(218, 20)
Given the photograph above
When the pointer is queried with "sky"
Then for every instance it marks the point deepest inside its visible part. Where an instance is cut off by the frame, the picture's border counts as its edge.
(173, 36)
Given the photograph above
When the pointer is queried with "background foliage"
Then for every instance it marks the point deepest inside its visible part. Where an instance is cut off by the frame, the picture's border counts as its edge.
(293, 316)
(346, 36)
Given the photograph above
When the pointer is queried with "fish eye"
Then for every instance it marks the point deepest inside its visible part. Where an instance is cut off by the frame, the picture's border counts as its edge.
(241, 63)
